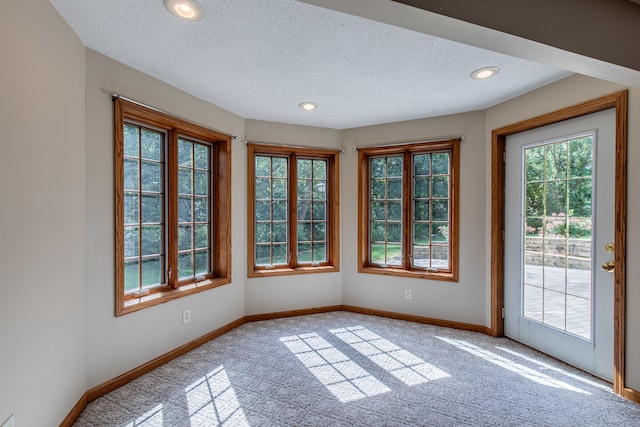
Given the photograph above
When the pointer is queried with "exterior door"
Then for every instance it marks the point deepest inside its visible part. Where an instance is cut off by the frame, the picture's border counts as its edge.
(559, 226)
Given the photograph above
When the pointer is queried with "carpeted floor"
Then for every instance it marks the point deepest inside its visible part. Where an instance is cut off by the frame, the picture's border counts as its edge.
(347, 369)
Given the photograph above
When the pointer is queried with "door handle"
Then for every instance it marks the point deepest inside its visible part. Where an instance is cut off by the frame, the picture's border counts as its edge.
(609, 266)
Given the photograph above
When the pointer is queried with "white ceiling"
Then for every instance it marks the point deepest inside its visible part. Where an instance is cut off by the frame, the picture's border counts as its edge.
(261, 58)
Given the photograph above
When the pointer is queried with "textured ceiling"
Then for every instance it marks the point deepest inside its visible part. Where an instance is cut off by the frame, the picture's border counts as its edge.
(261, 58)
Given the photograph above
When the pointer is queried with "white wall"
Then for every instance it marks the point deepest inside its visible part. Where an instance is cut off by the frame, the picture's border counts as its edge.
(567, 92)
(461, 301)
(116, 345)
(42, 199)
(283, 293)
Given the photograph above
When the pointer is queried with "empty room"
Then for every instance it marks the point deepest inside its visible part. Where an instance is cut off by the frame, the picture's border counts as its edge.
(319, 212)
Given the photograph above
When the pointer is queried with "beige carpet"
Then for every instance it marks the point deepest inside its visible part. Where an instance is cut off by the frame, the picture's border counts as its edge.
(346, 369)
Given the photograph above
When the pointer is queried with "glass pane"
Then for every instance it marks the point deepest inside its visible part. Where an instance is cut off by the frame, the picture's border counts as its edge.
(202, 262)
(279, 210)
(151, 240)
(131, 141)
(578, 318)
(378, 232)
(581, 158)
(279, 231)
(556, 197)
(378, 211)
(319, 252)
(304, 169)
(394, 211)
(532, 306)
(131, 174)
(421, 187)
(131, 211)
(263, 255)
(131, 275)
(304, 211)
(131, 241)
(201, 209)
(201, 183)
(440, 163)
(378, 253)
(378, 168)
(263, 211)
(580, 228)
(304, 232)
(421, 233)
(304, 252)
(185, 153)
(534, 163)
(279, 167)
(534, 195)
(151, 208)
(440, 257)
(580, 191)
(556, 226)
(379, 189)
(185, 183)
(394, 166)
(394, 232)
(421, 212)
(201, 232)
(421, 256)
(394, 190)
(263, 232)
(554, 309)
(185, 212)
(319, 190)
(280, 254)
(440, 186)
(439, 232)
(534, 226)
(440, 210)
(200, 156)
(263, 188)
(394, 254)
(151, 271)
(304, 189)
(151, 176)
(185, 264)
(263, 166)
(319, 169)
(320, 231)
(556, 161)
(319, 211)
(151, 145)
(279, 188)
(185, 237)
(421, 164)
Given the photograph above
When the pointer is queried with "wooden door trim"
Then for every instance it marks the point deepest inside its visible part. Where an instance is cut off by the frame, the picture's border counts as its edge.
(618, 101)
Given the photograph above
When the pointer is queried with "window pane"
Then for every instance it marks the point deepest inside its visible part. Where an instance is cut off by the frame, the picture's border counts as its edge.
(151, 271)
(185, 153)
(151, 176)
(556, 161)
(185, 238)
(279, 210)
(185, 209)
(279, 167)
(421, 256)
(421, 187)
(304, 211)
(319, 231)
(131, 210)
(279, 232)
(151, 145)
(304, 169)
(263, 189)
(440, 163)
(319, 252)
(394, 232)
(378, 211)
(379, 189)
(201, 183)
(394, 189)
(279, 188)
(131, 275)
(580, 160)
(185, 181)
(534, 164)
(440, 210)
(151, 240)
(151, 208)
(378, 253)
(421, 234)
(319, 190)
(202, 262)
(263, 232)
(394, 254)
(131, 241)
(185, 264)
(379, 168)
(421, 212)
(304, 189)
(263, 254)
(201, 209)
(304, 231)
(440, 186)
(534, 196)
(263, 166)
(439, 232)
(440, 257)
(394, 167)
(201, 156)
(319, 169)
(580, 190)
(378, 232)
(280, 254)
(131, 140)
(201, 232)
(319, 211)
(394, 211)
(304, 252)
(421, 164)
(556, 197)
(131, 174)
(263, 211)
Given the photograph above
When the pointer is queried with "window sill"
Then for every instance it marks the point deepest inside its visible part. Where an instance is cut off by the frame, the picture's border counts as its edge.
(165, 294)
(289, 271)
(414, 274)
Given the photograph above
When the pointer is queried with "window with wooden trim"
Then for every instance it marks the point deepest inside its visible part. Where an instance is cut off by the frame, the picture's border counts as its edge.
(293, 204)
(173, 201)
(408, 210)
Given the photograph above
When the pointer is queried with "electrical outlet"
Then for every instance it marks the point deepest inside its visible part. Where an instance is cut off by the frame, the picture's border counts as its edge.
(407, 294)
(10, 422)
(186, 316)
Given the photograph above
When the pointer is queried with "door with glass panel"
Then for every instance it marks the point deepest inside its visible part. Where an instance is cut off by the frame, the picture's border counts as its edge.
(559, 228)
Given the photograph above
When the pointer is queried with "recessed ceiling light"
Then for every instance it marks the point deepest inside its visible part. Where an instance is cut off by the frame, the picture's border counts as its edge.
(485, 73)
(308, 106)
(189, 10)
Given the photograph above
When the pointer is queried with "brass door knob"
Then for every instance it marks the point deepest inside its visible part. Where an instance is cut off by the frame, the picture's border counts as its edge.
(608, 266)
(610, 247)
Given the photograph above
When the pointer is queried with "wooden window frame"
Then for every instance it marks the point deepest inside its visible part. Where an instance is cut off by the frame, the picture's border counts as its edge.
(332, 264)
(220, 207)
(408, 150)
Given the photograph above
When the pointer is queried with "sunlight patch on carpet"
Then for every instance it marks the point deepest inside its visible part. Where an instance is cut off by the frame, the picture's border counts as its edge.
(405, 366)
(213, 402)
(150, 418)
(512, 366)
(344, 378)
